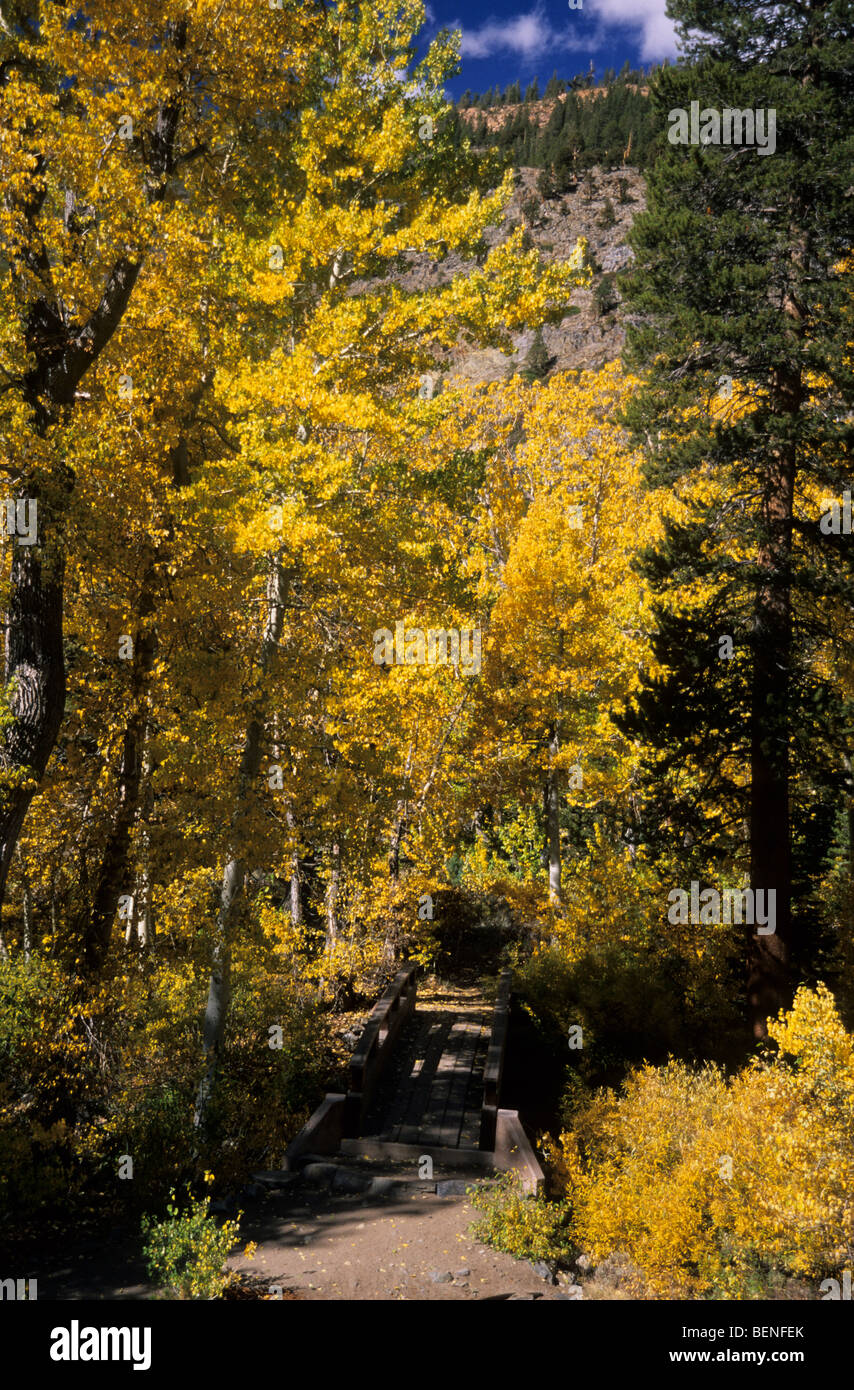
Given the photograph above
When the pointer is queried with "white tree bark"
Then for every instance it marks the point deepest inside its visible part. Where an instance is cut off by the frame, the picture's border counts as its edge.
(552, 809)
(219, 990)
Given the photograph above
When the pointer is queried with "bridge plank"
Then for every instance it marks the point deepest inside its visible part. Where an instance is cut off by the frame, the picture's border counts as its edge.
(449, 1132)
(407, 1104)
(433, 1091)
(470, 1127)
(443, 1117)
(420, 1087)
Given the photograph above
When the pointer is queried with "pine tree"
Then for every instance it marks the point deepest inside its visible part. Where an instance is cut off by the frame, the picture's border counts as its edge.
(546, 184)
(537, 360)
(740, 279)
(605, 296)
(553, 127)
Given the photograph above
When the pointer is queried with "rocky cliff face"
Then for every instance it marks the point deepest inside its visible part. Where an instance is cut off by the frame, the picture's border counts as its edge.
(538, 111)
(593, 332)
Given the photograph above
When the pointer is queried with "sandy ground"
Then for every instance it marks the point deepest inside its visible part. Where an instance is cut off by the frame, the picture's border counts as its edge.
(326, 1245)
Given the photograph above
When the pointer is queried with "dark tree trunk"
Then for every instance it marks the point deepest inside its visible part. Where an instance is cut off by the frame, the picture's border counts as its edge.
(34, 666)
(34, 672)
(96, 923)
(769, 985)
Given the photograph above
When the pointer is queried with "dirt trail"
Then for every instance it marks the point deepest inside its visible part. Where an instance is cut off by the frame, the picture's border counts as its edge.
(319, 1243)
(411, 1244)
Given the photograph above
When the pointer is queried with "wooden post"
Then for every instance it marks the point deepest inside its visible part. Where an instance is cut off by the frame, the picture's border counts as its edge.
(494, 1068)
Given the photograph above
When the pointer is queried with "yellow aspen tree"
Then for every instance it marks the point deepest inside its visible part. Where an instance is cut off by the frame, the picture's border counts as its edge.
(125, 131)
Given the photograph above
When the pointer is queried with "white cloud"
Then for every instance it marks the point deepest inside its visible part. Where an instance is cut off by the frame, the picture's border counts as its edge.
(658, 36)
(532, 34)
(528, 35)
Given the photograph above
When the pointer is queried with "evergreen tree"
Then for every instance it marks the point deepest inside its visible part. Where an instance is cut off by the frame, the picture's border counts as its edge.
(546, 184)
(740, 274)
(537, 360)
(608, 216)
(554, 125)
(612, 144)
(615, 128)
(570, 158)
(532, 92)
(605, 296)
(553, 87)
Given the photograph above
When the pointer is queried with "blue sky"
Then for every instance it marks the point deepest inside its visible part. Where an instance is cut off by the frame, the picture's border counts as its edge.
(504, 40)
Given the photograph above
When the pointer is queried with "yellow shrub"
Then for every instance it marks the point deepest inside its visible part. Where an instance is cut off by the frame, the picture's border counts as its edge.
(718, 1188)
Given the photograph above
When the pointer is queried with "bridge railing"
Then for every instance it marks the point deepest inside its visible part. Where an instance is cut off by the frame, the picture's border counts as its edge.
(494, 1067)
(374, 1047)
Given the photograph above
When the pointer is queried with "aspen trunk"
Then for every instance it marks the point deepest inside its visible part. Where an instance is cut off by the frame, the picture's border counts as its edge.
(332, 896)
(551, 802)
(296, 883)
(27, 903)
(400, 822)
(96, 921)
(219, 989)
(296, 892)
(146, 927)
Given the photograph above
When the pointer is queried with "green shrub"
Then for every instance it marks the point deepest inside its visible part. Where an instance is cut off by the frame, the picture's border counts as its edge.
(605, 295)
(531, 1228)
(46, 1069)
(531, 207)
(185, 1253)
(36, 1164)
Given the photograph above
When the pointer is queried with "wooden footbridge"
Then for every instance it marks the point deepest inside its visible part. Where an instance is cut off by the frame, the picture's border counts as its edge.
(426, 1082)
